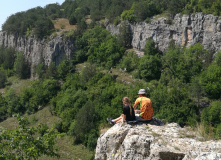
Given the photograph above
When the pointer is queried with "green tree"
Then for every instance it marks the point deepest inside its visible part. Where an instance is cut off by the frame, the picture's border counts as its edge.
(63, 69)
(43, 27)
(40, 70)
(88, 72)
(8, 58)
(3, 79)
(150, 67)
(150, 48)
(128, 15)
(129, 61)
(144, 9)
(21, 67)
(125, 35)
(211, 80)
(211, 116)
(177, 106)
(51, 71)
(85, 122)
(27, 142)
(13, 104)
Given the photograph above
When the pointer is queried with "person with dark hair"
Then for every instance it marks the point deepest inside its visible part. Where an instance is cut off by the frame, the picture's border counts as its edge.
(128, 113)
(146, 108)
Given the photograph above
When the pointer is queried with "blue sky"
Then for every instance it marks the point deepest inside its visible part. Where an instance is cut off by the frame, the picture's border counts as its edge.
(9, 7)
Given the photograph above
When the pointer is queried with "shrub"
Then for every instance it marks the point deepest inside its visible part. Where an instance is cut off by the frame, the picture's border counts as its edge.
(3, 79)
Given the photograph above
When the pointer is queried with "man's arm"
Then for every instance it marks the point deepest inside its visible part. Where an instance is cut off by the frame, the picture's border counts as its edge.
(135, 106)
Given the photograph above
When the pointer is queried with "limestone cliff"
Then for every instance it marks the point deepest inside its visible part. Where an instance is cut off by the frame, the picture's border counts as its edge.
(35, 50)
(185, 30)
(151, 142)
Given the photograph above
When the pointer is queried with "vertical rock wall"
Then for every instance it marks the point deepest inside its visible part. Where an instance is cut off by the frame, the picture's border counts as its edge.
(35, 51)
(185, 30)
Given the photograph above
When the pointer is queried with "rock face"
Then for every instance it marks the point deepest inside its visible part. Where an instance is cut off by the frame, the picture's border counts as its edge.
(50, 50)
(185, 30)
(150, 142)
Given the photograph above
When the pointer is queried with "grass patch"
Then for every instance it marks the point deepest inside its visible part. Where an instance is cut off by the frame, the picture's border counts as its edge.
(17, 84)
(62, 24)
(67, 150)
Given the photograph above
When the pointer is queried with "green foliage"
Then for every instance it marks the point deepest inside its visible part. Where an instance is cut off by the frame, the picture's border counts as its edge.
(129, 61)
(34, 18)
(63, 69)
(144, 9)
(150, 67)
(125, 36)
(212, 116)
(43, 27)
(150, 48)
(182, 64)
(40, 70)
(196, 90)
(40, 93)
(81, 26)
(51, 71)
(85, 121)
(21, 66)
(72, 19)
(3, 79)
(211, 80)
(27, 142)
(53, 10)
(128, 15)
(107, 54)
(88, 72)
(13, 104)
(7, 58)
(175, 105)
(218, 131)
(3, 108)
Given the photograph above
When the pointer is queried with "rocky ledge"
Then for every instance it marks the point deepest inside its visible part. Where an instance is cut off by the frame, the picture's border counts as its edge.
(151, 142)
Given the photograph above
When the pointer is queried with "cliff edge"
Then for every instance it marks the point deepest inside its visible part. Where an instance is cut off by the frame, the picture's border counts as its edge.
(151, 142)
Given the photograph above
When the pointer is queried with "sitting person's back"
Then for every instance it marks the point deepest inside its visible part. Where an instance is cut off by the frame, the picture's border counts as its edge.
(129, 112)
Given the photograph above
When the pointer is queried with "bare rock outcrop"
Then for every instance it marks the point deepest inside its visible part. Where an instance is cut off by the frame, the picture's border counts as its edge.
(151, 142)
(185, 30)
(48, 50)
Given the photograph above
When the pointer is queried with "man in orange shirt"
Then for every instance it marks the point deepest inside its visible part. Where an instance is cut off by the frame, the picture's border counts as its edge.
(146, 109)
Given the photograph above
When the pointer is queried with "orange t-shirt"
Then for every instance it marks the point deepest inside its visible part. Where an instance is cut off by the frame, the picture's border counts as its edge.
(146, 108)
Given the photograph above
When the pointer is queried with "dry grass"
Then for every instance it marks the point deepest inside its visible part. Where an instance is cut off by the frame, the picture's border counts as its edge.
(69, 151)
(62, 24)
(203, 133)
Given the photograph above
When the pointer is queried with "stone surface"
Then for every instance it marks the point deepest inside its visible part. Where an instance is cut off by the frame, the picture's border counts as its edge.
(185, 30)
(151, 142)
(51, 50)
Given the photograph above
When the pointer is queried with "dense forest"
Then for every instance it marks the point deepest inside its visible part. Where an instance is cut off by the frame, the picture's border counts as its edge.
(184, 84)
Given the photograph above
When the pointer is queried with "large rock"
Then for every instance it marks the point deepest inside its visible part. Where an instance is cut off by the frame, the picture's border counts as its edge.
(151, 142)
(185, 30)
(51, 50)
